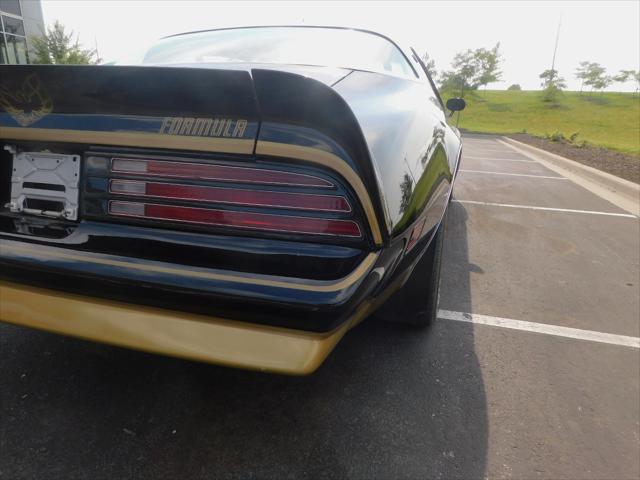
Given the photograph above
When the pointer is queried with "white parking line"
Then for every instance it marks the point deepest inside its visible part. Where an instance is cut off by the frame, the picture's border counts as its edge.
(484, 150)
(493, 159)
(556, 330)
(491, 142)
(514, 174)
(599, 183)
(549, 209)
(481, 154)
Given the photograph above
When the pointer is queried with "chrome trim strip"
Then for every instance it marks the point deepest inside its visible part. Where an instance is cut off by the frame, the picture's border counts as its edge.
(145, 195)
(234, 226)
(326, 184)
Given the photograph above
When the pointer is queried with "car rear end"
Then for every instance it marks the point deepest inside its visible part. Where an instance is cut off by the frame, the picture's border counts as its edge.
(225, 215)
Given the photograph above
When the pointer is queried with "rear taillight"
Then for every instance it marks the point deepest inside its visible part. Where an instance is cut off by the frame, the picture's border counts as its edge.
(226, 218)
(258, 198)
(273, 200)
(223, 173)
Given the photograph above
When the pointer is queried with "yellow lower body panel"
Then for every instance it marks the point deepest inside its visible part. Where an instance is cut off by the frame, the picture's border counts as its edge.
(174, 333)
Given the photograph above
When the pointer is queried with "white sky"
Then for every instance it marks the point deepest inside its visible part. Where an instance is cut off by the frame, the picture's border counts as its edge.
(603, 32)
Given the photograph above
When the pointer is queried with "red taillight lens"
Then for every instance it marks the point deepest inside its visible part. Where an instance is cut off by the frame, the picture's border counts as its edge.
(264, 198)
(260, 221)
(259, 198)
(223, 173)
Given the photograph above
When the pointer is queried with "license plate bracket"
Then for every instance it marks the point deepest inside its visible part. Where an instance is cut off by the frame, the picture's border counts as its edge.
(45, 184)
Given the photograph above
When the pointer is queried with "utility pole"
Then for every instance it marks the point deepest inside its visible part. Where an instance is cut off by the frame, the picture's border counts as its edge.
(555, 48)
(95, 42)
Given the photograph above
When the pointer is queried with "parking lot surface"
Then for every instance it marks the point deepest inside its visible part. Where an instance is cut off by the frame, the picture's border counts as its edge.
(462, 400)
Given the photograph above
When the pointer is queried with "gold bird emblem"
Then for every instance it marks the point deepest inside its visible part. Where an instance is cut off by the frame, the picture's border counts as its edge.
(29, 103)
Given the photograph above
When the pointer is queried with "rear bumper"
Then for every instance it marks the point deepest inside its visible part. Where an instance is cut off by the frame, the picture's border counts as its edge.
(318, 306)
(191, 336)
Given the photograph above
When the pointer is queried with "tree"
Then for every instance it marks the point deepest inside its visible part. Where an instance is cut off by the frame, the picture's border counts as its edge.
(624, 76)
(551, 79)
(515, 86)
(451, 81)
(600, 82)
(464, 74)
(58, 47)
(489, 61)
(581, 73)
(593, 75)
(596, 77)
(430, 65)
(628, 75)
(552, 83)
(472, 69)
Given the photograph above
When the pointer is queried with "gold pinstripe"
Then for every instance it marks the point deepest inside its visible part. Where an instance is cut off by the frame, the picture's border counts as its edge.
(294, 284)
(132, 139)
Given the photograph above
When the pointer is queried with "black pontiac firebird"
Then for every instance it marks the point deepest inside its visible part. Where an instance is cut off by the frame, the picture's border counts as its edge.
(242, 196)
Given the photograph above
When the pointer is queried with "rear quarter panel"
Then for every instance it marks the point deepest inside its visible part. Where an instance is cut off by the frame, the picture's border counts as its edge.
(413, 150)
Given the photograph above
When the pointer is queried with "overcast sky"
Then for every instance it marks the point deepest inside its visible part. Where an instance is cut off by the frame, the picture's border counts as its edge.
(603, 32)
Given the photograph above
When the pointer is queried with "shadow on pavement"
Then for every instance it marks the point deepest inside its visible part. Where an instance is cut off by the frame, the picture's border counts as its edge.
(390, 402)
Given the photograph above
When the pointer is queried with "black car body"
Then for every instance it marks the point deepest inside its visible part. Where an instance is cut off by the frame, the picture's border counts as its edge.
(240, 212)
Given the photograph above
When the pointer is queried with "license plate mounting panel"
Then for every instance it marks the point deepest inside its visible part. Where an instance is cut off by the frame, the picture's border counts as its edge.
(45, 184)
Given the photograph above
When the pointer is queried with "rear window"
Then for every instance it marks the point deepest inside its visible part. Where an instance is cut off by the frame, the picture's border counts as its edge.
(284, 45)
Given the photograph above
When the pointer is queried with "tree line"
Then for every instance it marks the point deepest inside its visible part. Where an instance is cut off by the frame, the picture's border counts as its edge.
(472, 69)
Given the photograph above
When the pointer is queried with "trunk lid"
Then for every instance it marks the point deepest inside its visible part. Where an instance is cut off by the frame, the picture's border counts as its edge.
(166, 107)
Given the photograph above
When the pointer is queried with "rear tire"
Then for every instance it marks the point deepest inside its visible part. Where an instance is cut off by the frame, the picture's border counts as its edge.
(416, 303)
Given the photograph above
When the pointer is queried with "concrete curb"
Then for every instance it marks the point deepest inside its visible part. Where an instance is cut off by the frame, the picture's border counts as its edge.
(620, 192)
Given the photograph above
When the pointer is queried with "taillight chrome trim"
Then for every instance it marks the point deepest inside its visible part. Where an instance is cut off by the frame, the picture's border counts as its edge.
(143, 193)
(333, 162)
(142, 214)
(316, 182)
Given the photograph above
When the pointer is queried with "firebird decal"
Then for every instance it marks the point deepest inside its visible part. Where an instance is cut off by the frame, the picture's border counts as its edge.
(29, 103)
(203, 127)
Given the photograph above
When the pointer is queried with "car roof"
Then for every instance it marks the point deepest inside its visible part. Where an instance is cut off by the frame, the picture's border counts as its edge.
(241, 27)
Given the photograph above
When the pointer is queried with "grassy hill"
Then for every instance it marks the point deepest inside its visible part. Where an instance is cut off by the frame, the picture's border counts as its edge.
(610, 120)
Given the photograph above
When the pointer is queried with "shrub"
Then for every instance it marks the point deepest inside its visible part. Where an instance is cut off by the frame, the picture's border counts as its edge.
(550, 95)
(556, 136)
(515, 86)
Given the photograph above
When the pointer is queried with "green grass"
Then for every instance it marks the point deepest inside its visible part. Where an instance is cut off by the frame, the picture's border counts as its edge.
(610, 120)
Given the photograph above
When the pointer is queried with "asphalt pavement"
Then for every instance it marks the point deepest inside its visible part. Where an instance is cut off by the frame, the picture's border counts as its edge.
(532, 372)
